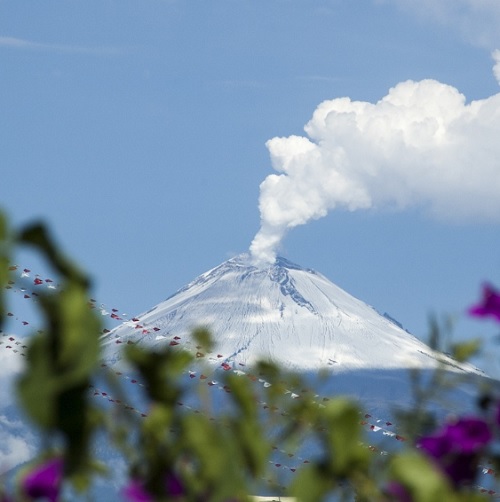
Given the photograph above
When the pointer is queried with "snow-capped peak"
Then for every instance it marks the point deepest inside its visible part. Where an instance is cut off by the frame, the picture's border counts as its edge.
(281, 312)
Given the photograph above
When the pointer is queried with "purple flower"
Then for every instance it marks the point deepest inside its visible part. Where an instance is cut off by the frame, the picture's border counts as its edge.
(436, 446)
(489, 304)
(456, 448)
(468, 435)
(398, 492)
(45, 480)
(173, 485)
(461, 469)
(135, 491)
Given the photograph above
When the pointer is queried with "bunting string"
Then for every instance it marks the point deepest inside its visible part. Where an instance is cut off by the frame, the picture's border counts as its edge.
(28, 285)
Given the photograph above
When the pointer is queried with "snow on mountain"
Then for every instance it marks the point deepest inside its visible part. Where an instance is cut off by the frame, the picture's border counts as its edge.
(284, 313)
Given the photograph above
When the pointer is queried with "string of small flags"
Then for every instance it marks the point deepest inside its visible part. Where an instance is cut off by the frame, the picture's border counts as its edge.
(370, 423)
(10, 342)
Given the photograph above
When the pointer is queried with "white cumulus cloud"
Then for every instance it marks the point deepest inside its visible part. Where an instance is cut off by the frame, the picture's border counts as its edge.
(10, 368)
(16, 443)
(421, 145)
(496, 67)
(16, 439)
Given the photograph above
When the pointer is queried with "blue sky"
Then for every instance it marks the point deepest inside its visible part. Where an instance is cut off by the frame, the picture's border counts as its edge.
(138, 130)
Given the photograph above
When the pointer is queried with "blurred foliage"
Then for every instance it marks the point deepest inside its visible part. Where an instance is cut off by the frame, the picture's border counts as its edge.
(210, 454)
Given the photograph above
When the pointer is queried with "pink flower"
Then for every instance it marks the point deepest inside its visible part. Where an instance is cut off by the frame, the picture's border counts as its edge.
(44, 482)
(489, 304)
(135, 492)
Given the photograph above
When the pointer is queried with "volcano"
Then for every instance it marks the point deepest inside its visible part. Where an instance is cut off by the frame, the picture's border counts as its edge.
(283, 313)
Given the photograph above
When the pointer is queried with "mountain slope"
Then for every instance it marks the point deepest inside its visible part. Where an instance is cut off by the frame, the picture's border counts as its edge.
(288, 314)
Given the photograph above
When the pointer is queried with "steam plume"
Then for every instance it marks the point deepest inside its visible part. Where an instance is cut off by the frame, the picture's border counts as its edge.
(421, 145)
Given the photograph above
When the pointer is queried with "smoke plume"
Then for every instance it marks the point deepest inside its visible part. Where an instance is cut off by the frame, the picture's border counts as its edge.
(421, 145)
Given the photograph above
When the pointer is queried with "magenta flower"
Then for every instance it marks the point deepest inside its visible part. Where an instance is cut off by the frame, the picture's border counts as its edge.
(489, 304)
(456, 448)
(467, 435)
(135, 491)
(436, 446)
(44, 482)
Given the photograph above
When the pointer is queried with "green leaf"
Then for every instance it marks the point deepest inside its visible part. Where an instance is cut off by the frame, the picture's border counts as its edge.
(242, 394)
(219, 471)
(161, 371)
(253, 445)
(311, 484)
(465, 350)
(4, 262)
(80, 329)
(62, 359)
(3, 227)
(343, 436)
(38, 236)
(37, 387)
(203, 338)
(421, 478)
(157, 424)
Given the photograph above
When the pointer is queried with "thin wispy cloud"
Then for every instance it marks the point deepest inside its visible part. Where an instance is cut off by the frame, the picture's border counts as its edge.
(240, 83)
(319, 78)
(476, 20)
(29, 45)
